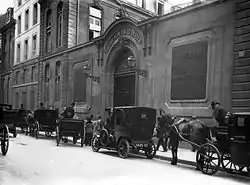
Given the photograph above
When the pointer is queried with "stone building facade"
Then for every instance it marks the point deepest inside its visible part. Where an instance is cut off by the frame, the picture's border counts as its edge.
(81, 22)
(180, 61)
(7, 33)
(26, 40)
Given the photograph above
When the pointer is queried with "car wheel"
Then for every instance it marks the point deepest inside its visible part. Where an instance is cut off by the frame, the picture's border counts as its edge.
(95, 144)
(150, 151)
(123, 148)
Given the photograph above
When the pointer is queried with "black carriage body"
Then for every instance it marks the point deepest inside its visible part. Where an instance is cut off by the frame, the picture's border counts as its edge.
(239, 134)
(71, 127)
(20, 119)
(8, 116)
(68, 127)
(47, 119)
(134, 123)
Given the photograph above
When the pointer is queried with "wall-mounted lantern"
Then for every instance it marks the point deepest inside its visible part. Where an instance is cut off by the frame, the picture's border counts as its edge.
(94, 78)
(87, 67)
(132, 65)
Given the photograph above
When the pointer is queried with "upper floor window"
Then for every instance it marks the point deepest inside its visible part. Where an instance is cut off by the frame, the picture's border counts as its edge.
(17, 77)
(58, 81)
(34, 44)
(26, 49)
(47, 73)
(27, 19)
(35, 13)
(48, 30)
(95, 22)
(141, 3)
(18, 53)
(160, 8)
(19, 24)
(59, 24)
(32, 75)
(25, 76)
(19, 2)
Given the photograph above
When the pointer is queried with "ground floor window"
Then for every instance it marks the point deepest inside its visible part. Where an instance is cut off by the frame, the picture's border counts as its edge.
(80, 82)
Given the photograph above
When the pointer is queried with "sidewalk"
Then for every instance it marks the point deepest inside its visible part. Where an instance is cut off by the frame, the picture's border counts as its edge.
(185, 156)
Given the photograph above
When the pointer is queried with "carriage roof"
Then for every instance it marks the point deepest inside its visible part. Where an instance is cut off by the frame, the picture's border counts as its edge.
(45, 113)
(128, 107)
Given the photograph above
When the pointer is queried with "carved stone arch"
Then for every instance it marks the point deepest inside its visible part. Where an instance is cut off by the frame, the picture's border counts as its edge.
(123, 42)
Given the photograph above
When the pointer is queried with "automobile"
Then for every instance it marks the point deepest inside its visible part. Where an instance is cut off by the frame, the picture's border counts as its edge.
(128, 129)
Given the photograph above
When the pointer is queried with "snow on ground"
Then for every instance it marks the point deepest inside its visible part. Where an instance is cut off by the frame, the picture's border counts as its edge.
(41, 162)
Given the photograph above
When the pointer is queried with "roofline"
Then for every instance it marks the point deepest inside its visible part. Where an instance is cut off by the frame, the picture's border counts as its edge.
(187, 9)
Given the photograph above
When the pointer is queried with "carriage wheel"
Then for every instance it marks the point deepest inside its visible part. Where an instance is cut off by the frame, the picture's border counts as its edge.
(57, 136)
(150, 151)
(5, 140)
(123, 148)
(74, 140)
(14, 132)
(82, 139)
(208, 159)
(36, 130)
(228, 165)
(95, 144)
(248, 170)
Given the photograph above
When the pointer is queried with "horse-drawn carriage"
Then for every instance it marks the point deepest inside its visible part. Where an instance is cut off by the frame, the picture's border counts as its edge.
(231, 148)
(233, 142)
(68, 127)
(21, 119)
(45, 120)
(127, 130)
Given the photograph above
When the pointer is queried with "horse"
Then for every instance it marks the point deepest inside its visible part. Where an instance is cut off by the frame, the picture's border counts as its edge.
(193, 131)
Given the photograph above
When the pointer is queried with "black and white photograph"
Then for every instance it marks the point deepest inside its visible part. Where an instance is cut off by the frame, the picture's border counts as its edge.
(124, 92)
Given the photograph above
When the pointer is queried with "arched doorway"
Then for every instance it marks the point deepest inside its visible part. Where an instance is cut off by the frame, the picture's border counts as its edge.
(124, 64)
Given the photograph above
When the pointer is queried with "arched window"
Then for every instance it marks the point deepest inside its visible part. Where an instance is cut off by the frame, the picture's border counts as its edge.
(47, 74)
(48, 30)
(59, 24)
(58, 81)
(47, 78)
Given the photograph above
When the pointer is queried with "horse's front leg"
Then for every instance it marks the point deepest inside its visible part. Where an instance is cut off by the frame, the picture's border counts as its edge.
(174, 142)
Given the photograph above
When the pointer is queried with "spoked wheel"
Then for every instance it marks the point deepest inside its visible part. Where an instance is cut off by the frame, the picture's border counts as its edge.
(14, 132)
(82, 139)
(95, 143)
(104, 137)
(36, 130)
(150, 151)
(228, 165)
(57, 136)
(123, 148)
(5, 140)
(208, 159)
(248, 170)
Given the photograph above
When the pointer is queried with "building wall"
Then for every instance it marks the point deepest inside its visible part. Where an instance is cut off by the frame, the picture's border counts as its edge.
(241, 67)
(25, 84)
(8, 32)
(213, 22)
(72, 16)
(26, 34)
